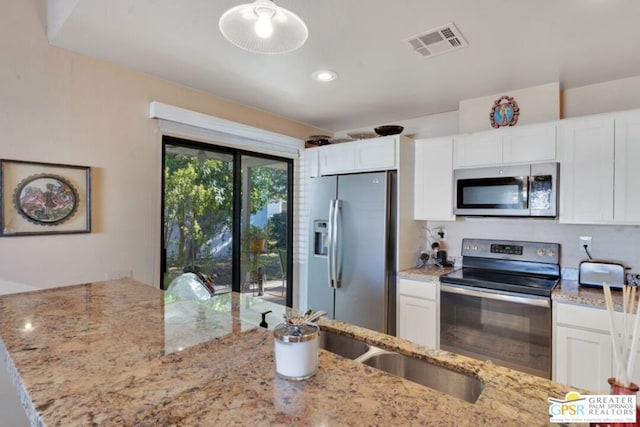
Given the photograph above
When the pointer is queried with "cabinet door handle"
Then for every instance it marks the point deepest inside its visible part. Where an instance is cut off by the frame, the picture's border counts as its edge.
(529, 300)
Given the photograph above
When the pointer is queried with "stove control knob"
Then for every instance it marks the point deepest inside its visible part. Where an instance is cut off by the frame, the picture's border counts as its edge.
(541, 252)
(466, 247)
(551, 252)
(474, 247)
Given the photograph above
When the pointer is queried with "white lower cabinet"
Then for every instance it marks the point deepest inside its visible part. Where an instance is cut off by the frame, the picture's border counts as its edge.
(418, 311)
(583, 349)
(583, 358)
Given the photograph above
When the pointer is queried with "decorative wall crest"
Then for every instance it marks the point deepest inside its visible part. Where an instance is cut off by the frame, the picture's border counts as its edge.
(505, 112)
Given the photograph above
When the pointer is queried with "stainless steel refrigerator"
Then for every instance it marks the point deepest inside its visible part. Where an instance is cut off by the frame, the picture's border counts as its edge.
(352, 264)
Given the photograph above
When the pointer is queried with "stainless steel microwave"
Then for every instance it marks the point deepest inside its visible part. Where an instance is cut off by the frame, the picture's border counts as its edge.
(513, 190)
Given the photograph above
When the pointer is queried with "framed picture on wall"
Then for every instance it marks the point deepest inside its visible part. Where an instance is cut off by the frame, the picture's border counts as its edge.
(44, 198)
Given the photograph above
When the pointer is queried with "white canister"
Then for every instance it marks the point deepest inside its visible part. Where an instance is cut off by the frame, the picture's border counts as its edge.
(296, 349)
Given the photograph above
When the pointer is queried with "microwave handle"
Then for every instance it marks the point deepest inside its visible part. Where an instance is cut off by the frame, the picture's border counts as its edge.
(538, 302)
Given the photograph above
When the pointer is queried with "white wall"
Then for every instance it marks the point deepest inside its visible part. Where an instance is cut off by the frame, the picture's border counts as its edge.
(61, 107)
(616, 95)
(420, 127)
(537, 104)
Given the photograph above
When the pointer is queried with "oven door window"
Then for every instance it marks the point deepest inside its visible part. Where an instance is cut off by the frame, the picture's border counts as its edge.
(509, 334)
(493, 193)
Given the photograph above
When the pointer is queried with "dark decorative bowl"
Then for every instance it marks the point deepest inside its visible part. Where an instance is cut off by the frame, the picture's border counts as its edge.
(317, 140)
(389, 130)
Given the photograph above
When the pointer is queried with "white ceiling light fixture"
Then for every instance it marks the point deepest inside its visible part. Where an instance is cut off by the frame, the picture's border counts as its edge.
(324, 75)
(263, 27)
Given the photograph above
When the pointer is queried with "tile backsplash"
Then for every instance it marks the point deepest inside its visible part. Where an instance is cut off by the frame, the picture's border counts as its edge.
(610, 243)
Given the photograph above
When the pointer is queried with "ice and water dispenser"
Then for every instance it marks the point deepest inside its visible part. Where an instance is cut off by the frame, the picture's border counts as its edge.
(320, 238)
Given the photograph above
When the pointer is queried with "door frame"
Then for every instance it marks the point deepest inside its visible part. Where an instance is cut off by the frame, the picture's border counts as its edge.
(236, 207)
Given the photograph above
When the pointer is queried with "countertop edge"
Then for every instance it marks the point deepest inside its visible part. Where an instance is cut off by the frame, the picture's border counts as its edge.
(23, 395)
(428, 274)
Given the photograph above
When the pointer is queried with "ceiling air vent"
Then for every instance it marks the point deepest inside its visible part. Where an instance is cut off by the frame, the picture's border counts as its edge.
(438, 40)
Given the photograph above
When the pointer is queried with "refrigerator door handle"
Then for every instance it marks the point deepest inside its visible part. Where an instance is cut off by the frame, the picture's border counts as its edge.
(337, 243)
(330, 246)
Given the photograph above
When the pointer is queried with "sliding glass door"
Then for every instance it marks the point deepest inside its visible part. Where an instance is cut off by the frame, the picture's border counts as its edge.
(227, 219)
(198, 214)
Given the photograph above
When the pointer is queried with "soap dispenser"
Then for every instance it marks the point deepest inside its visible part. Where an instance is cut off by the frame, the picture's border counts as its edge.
(264, 323)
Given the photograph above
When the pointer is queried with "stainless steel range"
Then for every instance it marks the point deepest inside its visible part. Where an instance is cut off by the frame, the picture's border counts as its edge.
(497, 307)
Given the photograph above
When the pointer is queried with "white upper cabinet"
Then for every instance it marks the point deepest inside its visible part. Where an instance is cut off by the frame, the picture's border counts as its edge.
(337, 158)
(477, 149)
(586, 151)
(311, 157)
(433, 185)
(377, 154)
(599, 177)
(529, 144)
(519, 144)
(627, 171)
(359, 156)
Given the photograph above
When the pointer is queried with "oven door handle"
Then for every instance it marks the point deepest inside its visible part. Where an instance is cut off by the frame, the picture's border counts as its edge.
(530, 300)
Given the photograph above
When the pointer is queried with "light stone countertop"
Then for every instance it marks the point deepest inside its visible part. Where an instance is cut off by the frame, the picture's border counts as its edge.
(570, 292)
(117, 353)
(431, 273)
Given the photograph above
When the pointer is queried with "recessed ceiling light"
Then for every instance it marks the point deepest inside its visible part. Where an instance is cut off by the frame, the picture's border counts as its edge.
(324, 75)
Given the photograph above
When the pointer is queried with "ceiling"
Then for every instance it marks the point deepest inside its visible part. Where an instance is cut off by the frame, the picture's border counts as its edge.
(512, 45)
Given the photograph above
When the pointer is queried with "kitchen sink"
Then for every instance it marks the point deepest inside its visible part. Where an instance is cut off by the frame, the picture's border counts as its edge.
(450, 382)
(342, 345)
(422, 372)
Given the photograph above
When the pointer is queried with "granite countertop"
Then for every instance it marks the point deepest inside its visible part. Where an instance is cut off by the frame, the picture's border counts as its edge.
(569, 291)
(430, 273)
(119, 353)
